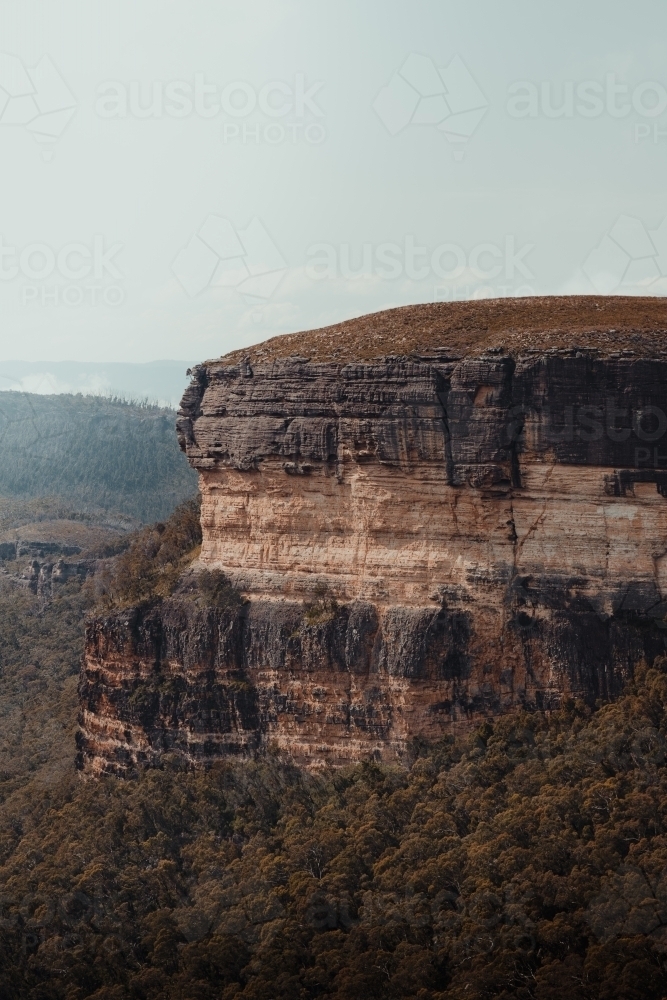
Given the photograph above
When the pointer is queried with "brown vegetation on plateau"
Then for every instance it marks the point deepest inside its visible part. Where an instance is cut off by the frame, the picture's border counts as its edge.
(608, 323)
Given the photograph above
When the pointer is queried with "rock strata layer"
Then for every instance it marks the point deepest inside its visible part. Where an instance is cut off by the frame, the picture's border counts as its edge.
(423, 540)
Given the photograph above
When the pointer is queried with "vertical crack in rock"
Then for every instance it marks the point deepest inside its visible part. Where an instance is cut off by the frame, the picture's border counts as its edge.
(442, 393)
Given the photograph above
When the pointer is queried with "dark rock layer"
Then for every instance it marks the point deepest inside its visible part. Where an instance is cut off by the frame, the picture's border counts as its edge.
(204, 683)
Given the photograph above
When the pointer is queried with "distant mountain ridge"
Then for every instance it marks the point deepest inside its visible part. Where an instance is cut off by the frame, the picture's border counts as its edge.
(161, 382)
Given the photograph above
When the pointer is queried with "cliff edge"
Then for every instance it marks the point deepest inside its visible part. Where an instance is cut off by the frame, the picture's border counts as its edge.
(436, 514)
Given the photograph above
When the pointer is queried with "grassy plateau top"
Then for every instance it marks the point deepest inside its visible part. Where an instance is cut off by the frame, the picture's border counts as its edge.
(608, 324)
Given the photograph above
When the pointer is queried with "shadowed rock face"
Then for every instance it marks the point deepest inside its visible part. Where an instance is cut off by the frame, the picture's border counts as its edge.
(493, 530)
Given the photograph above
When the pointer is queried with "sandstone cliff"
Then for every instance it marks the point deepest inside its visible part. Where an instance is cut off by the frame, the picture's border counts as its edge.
(424, 538)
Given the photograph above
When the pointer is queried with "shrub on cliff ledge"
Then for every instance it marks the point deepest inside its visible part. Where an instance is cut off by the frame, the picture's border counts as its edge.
(216, 590)
(152, 564)
(323, 608)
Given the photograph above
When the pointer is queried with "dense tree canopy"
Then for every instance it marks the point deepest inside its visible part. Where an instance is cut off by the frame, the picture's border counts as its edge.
(92, 452)
(527, 860)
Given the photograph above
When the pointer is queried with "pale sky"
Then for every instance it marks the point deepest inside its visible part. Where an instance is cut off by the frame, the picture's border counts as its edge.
(181, 179)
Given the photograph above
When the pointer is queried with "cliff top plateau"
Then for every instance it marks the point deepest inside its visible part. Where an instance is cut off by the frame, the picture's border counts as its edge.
(603, 323)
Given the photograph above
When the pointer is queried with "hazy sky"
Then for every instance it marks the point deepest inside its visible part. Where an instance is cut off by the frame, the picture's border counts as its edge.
(183, 178)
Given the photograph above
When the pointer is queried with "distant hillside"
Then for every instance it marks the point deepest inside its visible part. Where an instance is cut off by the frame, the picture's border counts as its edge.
(159, 382)
(92, 452)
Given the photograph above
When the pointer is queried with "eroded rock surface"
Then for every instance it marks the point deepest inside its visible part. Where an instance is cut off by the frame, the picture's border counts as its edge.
(490, 532)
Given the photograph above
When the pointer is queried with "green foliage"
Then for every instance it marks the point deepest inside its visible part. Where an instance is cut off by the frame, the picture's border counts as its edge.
(40, 657)
(154, 560)
(526, 860)
(323, 609)
(216, 590)
(92, 452)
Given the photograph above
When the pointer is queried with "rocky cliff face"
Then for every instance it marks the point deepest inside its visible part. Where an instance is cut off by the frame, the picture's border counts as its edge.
(423, 539)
